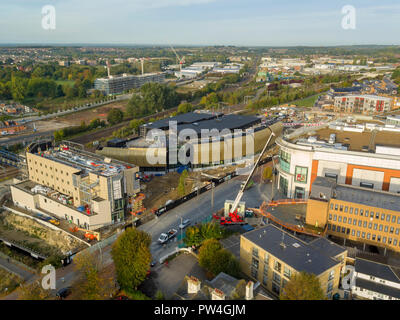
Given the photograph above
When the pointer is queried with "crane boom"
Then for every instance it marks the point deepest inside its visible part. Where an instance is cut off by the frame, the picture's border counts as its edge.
(240, 194)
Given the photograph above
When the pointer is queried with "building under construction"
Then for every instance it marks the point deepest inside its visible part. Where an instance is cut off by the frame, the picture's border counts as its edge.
(89, 190)
(119, 84)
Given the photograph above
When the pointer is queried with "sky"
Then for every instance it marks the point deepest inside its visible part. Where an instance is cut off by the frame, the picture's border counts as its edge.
(201, 22)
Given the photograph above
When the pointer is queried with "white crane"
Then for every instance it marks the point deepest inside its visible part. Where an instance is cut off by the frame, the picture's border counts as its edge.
(244, 185)
(181, 61)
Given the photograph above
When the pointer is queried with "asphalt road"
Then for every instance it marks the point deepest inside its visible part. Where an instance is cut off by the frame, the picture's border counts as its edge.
(199, 209)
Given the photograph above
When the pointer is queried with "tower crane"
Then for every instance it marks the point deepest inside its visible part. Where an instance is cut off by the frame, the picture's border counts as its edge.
(181, 61)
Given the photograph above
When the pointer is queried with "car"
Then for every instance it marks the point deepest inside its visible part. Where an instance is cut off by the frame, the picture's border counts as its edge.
(153, 263)
(63, 293)
(184, 224)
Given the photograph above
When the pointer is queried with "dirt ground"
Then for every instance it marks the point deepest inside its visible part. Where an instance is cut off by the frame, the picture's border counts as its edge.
(8, 282)
(88, 115)
(161, 189)
(34, 235)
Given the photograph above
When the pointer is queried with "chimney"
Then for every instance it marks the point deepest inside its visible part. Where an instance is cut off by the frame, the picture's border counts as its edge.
(217, 294)
(193, 285)
(249, 290)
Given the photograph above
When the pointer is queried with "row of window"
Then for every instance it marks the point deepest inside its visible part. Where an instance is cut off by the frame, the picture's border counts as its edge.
(51, 168)
(365, 213)
(364, 235)
(364, 224)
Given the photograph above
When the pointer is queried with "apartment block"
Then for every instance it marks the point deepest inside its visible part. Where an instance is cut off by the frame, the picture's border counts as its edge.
(272, 256)
(119, 84)
(358, 214)
(79, 186)
(362, 104)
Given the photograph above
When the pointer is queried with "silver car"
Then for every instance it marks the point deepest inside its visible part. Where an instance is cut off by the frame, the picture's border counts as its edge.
(184, 224)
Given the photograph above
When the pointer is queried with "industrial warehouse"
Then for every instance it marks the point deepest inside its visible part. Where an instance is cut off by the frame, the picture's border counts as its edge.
(75, 185)
(232, 139)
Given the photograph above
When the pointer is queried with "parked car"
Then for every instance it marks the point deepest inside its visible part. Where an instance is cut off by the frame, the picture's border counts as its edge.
(184, 224)
(63, 293)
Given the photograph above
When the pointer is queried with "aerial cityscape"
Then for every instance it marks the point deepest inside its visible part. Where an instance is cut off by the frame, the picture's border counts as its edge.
(199, 151)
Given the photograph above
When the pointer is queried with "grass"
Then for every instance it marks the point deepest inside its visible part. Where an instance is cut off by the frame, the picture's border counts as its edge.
(8, 282)
(307, 102)
(65, 82)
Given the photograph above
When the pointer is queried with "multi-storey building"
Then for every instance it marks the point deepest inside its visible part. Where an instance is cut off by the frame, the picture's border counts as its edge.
(358, 214)
(375, 281)
(364, 159)
(362, 104)
(89, 190)
(119, 84)
(271, 256)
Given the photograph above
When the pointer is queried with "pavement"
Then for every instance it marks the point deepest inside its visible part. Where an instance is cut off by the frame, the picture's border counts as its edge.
(7, 265)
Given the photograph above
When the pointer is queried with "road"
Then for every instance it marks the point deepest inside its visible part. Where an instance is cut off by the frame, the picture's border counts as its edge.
(200, 208)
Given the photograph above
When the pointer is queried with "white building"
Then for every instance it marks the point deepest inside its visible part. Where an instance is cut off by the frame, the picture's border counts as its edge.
(375, 281)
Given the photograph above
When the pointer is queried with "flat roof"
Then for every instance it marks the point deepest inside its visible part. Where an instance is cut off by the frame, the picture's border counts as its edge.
(185, 118)
(301, 256)
(378, 287)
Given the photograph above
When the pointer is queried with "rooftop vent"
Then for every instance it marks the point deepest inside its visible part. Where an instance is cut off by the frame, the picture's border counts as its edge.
(296, 245)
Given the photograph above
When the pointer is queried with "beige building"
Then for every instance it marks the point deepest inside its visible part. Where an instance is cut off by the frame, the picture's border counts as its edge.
(272, 256)
(79, 186)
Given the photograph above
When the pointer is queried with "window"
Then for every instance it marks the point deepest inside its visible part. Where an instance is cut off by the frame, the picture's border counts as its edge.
(331, 204)
(393, 219)
(384, 239)
(286, 272)
(370, 225)
(254, 263)
(386, 228)
(359, 223)
(391, 230)
(372, 214)
(278, 266)
(333, 227)
(255, 252)
(388, 218)
(331, 175)
(361, 212)
(375, 226)
(283, 185)
(301, 174)
(344, 220)
(383, 216)
(358, 234)
(366, 213)
(266, 259)
(356, 211)
(284, 161)
(380, 227)
(365, 224)
(343, 230)
(368, 236)
(341, 207)
(254, 272)
(330, 287)
(276, 278)
(351, 210)
(373, 237)
(275, 288)
(377, 215)
(366, 185)
(331, 275)
(397, 231)
(354, 222)
(265, 279)
(340, 219)
(395, 242)
(336, 206)
(330, 217)
(349, 221)
(334, 217)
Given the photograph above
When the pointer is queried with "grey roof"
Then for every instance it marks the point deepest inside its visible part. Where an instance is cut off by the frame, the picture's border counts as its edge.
(230, 122)
(224, 282)
(369, 197)
(373, 198)
(375, 269)
(299, 255)
(187, 118)
(377, 287)
(330, 248)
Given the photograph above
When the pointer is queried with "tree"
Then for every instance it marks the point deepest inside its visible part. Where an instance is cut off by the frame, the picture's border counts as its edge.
(91, 285)
(267, 173)
(185, 107)
(303, 286)
(115, 116)
(196, 235)
(240, 290)
(181, 185)
(34, 291)
(215, 259)
(132, 257)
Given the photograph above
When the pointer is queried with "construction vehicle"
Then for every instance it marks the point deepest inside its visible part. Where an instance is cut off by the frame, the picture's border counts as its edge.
(89, 234)
(233, 218)
(245, 184)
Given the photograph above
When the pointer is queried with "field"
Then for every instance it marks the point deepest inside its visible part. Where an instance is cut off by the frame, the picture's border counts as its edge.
(307, 102)
(8, 282)
(66, 82)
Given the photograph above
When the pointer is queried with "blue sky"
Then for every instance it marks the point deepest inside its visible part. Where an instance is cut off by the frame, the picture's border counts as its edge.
(201, 22)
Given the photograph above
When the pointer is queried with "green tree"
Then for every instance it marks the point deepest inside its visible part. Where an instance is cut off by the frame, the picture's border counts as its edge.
(181, 185)
(132, 257)
(185, 107)
(215, 259)
(91, 285)
(303, 286)
(115, 116)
